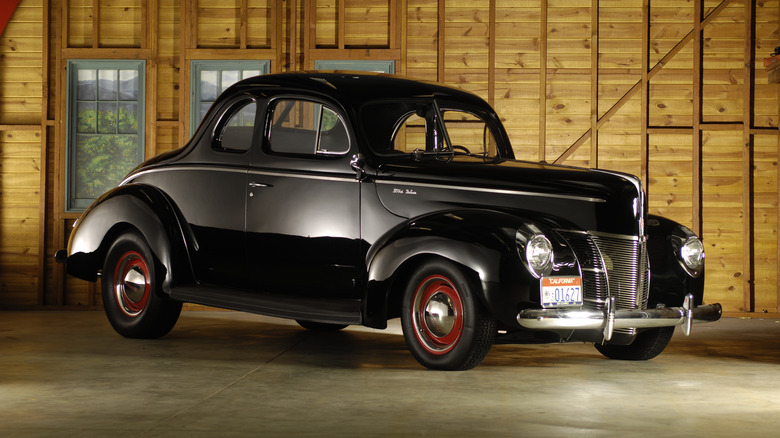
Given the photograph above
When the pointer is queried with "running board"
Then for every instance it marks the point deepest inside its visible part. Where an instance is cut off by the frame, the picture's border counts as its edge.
(309, 309)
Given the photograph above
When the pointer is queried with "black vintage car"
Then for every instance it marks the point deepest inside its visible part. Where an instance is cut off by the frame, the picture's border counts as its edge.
(337, 199)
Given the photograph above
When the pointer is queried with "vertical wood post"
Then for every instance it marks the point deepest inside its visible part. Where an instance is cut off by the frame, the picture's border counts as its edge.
(748, 259)
(440, 42)
(594, 84)
(543, 82)
(696, 187)
(645, 100)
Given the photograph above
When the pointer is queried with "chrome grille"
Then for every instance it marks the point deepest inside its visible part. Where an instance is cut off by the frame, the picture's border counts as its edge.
(612, 266)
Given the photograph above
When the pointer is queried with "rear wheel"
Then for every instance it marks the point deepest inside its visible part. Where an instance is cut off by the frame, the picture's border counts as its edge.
(647, 345)
(131, 290)
(444, 323)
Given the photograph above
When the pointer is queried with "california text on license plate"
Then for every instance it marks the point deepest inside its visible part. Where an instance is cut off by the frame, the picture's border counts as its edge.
(561, 291)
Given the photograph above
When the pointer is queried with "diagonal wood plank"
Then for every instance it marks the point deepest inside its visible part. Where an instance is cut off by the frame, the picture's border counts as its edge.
(638, 85)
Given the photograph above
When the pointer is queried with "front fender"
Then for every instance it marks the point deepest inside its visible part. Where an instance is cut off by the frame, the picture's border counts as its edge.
(669, 282)
(142, 207)
(482, 241)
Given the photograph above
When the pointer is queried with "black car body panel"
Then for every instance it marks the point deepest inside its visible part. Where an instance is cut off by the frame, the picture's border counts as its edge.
(316, 196)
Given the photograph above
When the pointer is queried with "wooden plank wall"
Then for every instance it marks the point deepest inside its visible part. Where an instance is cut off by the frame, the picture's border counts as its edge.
(673, 91)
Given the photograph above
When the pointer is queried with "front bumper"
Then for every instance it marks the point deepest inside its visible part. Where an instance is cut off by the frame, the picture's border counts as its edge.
(610, 319)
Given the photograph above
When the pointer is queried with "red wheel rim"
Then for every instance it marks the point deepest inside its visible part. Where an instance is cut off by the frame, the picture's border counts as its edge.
(437, 314)
(132, 284)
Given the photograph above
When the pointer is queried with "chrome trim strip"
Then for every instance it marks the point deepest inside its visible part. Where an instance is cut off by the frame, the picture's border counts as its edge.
(349, 178)
(602, 234)
(489, 190)
(181, 168)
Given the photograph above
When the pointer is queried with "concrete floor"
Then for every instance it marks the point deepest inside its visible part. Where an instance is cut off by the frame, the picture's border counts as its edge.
(232, 374)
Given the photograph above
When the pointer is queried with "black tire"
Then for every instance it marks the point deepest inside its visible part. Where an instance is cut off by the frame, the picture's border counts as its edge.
(646, 346)
(462, 338)
(320, 326)
(131, 288)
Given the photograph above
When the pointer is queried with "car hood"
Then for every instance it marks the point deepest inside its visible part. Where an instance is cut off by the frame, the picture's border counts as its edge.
(563, 196)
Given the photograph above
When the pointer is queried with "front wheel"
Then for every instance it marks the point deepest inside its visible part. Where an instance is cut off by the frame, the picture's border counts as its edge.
(444, 323)
(131, 291)
(646, 346)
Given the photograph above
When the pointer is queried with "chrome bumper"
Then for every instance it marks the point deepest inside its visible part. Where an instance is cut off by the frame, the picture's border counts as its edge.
(610, 319)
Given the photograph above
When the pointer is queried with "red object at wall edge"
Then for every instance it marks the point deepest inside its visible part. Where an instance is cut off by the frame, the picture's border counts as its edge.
(7, 8)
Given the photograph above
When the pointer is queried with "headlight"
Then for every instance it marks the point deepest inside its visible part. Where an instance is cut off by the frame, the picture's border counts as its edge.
(692, 254)
(689, 251)
(539, 255)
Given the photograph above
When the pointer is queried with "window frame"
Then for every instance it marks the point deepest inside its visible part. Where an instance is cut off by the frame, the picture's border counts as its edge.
(78, 205)
(197, 66)
(376, 66)
(317, 150)
(234, 109)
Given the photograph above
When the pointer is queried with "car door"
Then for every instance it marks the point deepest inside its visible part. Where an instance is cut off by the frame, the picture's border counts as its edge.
(303, 204)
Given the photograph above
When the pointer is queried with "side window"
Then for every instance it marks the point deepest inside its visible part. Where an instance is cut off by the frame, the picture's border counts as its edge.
(470, 132)
(410, 134)
(236, 135)
(307, 127)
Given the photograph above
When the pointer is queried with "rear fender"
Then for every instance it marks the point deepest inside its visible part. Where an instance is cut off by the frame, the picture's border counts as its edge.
(143, 208)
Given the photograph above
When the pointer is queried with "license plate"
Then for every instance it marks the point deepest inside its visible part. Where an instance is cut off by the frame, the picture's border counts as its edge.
(561, 291)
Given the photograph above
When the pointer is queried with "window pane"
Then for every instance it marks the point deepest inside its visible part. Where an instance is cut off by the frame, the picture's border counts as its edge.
(245, 117)
(102, 161)
(107, 118)
(87, 117)
(128, 85)
(107, 85)
(410, 135)
(86, 84)
(295, 125)
(250, 73)
(229, 77)
(292, 127)
(127, 118)
(208, 85)
(333, 134)
(469, 131)
(239, 131)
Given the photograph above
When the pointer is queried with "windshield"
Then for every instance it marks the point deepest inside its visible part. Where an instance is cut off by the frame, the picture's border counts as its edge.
(422, 128)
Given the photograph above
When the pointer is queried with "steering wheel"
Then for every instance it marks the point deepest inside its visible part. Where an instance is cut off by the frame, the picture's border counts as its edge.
(462, 148)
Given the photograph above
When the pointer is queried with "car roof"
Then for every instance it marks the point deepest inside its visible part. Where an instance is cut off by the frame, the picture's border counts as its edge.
(354, 88)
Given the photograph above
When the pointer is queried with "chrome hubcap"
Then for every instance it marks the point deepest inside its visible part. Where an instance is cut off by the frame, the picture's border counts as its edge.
(440, 315)
(131, 284)
(134, 284)
(437, 315)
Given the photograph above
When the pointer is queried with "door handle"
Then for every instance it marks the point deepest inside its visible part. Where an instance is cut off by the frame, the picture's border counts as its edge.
(257, 185)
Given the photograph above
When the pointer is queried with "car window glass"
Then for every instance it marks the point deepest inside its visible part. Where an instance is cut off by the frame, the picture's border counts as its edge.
(468, 132)
(410, 134)
(307, 127)
(237, 133)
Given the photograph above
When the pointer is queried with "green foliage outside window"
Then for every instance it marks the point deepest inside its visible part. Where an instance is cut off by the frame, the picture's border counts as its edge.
(103, 160)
